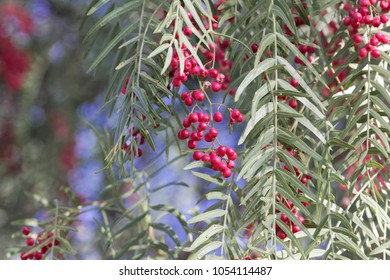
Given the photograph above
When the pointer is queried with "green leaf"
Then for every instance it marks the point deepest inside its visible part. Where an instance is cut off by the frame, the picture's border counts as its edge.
(209, 178)
(216, 213)
(253, 74)
(205, 236)
(205, 250)
(159, 50)
(96, 7)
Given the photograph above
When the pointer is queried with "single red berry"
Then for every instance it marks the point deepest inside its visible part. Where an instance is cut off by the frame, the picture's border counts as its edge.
(368, 19)
(255, 48)
(191, 144)
(347, 21)
(44, 249)
(197, 155)
(231, 164)
(363, 52)
(294, 83)
(187, 31)
(281, 234)
(202, 126)
(176, 82)
(295, 229)
(23, 256)
(25, 231)
(189, 101)
(198, 95)
(30, 241)
(193, 118)
(213, 73)
(215, 86)
(235, 113)
(384, 19)
(183, 134)
(221, 151)
(203, 73)
(240, 118)
(358, 39)
(218, 117)
(293, 103)
(365, 3)
(206, 118)
(206, 158)
(38, 255)
(375, 53)
(302, 49)
(186, 123)
(195, 70)
(374, 41)
(227, 173)
(376, 22)
(213, 132)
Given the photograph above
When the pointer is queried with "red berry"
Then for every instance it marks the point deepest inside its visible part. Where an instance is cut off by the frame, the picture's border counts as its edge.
(384, 18)
(206, 158)
(189, 101)
(368, 19)
(25, 231)
(227, 173)
(187, 31)
(374, 41)
(255, 48)
(195, 70)
(30, 241)
(240, 118)
(38, 255)
(221, 151)
(197, 155)
(363, 52)
(191, 144)
(295, 229)
(281, 234)
(235, 113)
(176, 82)
(218, 117)
(193, 118)
(213, 73)
(213, 132)
(293, 103)
(202, 126)
(184, 95)
(183, 134)
(215, 86)
(375, 53)
(358, 38)
(294, 83)
(186, 123)
(376, 22)
(203, 73)
(198, 95)
(231, 164)
(347, 21)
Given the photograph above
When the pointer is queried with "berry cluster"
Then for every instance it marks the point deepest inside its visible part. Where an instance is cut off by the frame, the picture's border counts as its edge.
(42, 238)
(198, 126)
(367, 14)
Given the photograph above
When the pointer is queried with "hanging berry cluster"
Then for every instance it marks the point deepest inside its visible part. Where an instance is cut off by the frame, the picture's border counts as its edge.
(369, 13)
(44, 241)
(198, 127)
